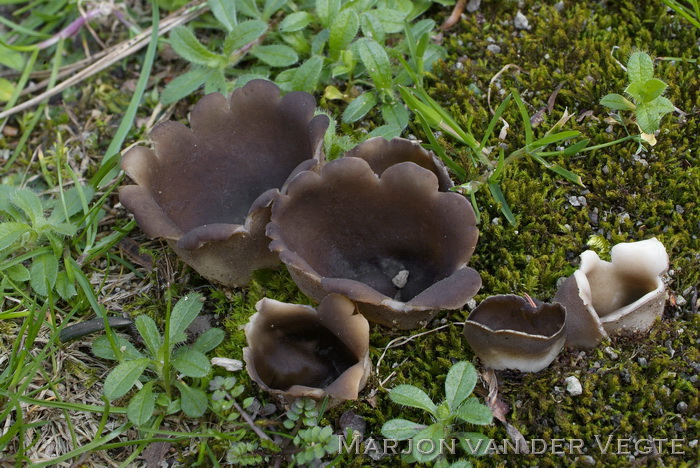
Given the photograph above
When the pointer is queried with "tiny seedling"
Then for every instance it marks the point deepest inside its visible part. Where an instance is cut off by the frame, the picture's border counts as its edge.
(155, 370)
(648, 104)
(458, 408)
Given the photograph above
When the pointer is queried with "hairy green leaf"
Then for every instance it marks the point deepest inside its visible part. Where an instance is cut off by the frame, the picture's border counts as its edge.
(243, 34)
(225, 12)
(187, 46)
(184, 85)
(648, 117)
(102, 348)
(184, 312)
(149, 332)
(426, 444)
(391, 20)
(295, 22)
(460, 382)
(30, 203)
(123, 377)
(307, 76)
(43, 272)
(617, 102)
(10, 232)
(640, 67)
(376, 61)
(401, 429)
(209, 340)
(343, 31)
(359, 107)
(408, 395)
(141, 406)
(191, 363)
(327, 10)
(275, 55)
(192, 400)
(474, 412)
(64, 287)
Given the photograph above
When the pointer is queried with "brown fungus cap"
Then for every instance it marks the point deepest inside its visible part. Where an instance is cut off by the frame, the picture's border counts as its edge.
(208, 189)
(507, 332)
(297, 351)
(381, 154)
(394, 244)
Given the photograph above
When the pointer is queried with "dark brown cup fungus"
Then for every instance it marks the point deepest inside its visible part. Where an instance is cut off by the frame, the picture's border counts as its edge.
(624, 296)
(381, 154)
(508, 332)
(208, 190)
(395, 245)
(297, 351)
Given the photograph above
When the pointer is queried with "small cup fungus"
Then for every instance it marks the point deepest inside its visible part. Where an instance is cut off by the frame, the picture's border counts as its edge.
(297, 351)
(622, 296)
(208, 189)
(510, 332)
(393, 244)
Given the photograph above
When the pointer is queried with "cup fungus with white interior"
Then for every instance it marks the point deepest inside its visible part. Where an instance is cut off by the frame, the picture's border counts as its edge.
(623, 296)
(208, 189)
(511, 332)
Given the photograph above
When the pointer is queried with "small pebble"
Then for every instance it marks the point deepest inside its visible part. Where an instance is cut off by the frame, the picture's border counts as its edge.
(642, 361)
(493, 48)
(573, 386)
(611, 353)
(693, 443)
(588, 460)
(682, 407)
(573, 200)
(681, 301)
(400, 279)
(582, 201)
(559, 6)
(473, 5)
(679, 209)
(521, 21)
(606, 170)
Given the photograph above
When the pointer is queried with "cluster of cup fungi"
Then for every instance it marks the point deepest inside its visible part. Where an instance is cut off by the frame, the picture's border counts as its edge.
(374, 235)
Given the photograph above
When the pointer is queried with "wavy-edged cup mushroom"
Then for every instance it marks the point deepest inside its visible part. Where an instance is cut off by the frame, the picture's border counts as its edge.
(623, 296)
(208, 190)
(510, 332)
(297, 351)
(393, 244)
(381, 154)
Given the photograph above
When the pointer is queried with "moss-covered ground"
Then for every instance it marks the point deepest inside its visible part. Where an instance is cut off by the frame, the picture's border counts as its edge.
(633, 388)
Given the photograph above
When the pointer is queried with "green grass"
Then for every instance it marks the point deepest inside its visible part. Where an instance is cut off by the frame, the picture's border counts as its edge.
(630, 195)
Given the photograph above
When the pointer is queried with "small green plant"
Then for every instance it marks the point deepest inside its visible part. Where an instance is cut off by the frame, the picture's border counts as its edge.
(26, 232)
(155, 371)
(355, 43)
(458, 408)
(313, 442)
(648, 104)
